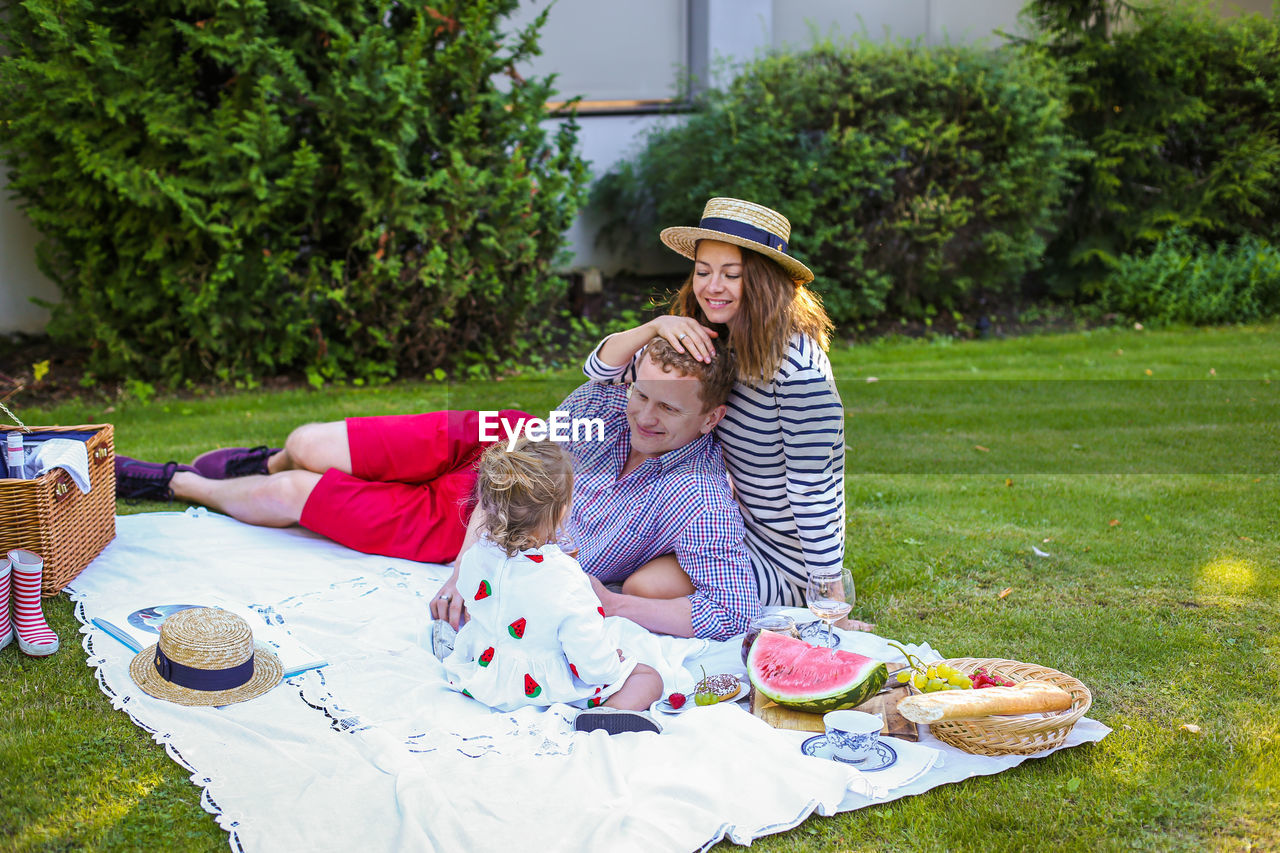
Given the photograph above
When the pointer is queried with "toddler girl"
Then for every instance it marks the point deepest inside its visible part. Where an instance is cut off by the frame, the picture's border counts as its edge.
(536, 633)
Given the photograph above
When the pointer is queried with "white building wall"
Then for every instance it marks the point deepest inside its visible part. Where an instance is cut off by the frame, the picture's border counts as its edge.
(798, 22)
(603, 141)
(20, 280)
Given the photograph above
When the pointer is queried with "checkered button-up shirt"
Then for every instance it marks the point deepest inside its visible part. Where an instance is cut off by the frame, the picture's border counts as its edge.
(677, 503)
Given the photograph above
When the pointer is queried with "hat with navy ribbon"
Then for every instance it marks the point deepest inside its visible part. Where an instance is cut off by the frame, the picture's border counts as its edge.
(742, 223)
(206, 656)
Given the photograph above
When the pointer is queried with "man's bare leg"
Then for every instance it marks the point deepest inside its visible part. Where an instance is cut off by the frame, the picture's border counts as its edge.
(273, 500)
(313, 447)
(661, 577)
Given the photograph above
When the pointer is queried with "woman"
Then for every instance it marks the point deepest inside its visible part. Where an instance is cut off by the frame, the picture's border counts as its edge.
(783, 436)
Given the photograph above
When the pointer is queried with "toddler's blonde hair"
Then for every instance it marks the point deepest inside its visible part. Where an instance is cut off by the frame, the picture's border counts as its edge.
(523, 493)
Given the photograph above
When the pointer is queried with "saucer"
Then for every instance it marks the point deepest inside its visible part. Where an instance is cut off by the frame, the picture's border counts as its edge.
(662, 706)
(882, 755)
(815, 634)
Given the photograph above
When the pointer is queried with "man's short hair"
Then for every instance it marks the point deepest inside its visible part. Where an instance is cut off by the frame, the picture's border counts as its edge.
(716, 379)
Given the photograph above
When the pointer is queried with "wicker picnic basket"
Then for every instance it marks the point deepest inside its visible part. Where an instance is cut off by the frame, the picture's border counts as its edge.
(1023, 735)
(52, 517)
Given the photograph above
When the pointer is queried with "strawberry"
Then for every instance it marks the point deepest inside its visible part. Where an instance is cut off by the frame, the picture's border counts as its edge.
(677, 700)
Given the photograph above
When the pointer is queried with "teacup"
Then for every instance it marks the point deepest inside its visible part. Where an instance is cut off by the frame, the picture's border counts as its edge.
(852, 736)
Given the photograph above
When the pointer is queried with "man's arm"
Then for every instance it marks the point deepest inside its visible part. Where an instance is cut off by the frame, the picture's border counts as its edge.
(672, 616)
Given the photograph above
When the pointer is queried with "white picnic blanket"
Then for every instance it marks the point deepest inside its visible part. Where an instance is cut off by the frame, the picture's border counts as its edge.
(373, 752)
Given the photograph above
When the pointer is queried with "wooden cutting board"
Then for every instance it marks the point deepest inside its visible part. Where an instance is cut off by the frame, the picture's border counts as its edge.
(884, 704)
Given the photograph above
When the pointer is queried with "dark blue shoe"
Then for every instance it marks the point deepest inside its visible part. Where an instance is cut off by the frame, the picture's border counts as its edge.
(146, 481)
(615, 721)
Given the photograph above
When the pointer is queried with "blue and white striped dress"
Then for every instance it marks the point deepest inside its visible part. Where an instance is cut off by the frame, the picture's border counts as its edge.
(783, 444)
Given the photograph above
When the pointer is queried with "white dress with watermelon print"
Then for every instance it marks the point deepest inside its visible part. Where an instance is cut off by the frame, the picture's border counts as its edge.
(536, 635)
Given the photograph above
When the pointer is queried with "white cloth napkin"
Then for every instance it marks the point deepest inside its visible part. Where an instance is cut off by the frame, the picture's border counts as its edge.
(66, 453)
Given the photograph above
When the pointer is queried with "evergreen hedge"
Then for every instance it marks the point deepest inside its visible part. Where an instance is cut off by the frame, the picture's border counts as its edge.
(915, 179)
(1181, 109)
(241, 188)
(1184, 279)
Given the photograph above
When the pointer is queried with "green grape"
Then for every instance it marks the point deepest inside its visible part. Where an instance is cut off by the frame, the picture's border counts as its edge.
(904, 676)
(932, 672)
(919, 681)
(935, 684)
(963, 681)
(945, 671)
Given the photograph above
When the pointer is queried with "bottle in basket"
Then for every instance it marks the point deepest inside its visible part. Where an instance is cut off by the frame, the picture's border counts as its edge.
(14, 458)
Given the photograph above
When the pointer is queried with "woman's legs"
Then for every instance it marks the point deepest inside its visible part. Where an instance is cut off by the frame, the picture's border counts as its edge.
(314, 447)
(642, 688)
(272, 500)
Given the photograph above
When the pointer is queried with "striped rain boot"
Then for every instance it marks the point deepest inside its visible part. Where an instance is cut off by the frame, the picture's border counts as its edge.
(6, 624)
(35, 638)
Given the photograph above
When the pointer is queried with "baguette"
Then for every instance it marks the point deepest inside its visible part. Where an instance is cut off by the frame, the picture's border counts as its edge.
(1029, 697)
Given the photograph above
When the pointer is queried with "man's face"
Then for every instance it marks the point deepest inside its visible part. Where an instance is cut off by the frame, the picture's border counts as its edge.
(665, 412)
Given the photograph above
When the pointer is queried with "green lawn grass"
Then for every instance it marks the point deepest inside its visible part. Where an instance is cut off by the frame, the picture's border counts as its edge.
(1155, 496)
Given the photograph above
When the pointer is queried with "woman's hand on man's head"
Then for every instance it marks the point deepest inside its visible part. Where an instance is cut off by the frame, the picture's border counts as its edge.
(686, 334)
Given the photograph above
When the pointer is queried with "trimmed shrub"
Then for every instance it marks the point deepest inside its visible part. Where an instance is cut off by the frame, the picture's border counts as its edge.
(1185, 280)
(1181, 109)
(913, 178)
(240, 189)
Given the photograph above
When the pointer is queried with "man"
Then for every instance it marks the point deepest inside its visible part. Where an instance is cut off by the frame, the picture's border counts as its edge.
(651, 492)
(654, 494)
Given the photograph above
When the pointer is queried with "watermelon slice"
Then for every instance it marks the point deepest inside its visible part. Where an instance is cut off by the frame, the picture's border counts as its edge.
(808, 678)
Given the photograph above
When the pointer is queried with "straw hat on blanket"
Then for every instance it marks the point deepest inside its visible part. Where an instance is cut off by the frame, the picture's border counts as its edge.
(206, 656)
(742, 223)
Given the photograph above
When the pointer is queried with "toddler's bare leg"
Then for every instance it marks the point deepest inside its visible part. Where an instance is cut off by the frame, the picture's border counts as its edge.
(641, 689)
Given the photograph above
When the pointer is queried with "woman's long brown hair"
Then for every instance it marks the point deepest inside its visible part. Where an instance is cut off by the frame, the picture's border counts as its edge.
(772, 309)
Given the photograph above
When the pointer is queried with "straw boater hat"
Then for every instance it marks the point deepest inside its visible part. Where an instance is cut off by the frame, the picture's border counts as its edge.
(742, 223)
(206, 656)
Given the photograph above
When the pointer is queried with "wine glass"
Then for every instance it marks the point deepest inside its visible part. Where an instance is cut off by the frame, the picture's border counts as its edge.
(829, 594)
(565, 539)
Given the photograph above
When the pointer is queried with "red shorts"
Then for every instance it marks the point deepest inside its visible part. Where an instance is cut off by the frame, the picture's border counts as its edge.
(410, 492)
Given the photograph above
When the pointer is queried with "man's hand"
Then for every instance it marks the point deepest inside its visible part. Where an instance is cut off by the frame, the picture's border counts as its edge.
(448, 603)
(608, 600)
(855, 625)
(662, 616)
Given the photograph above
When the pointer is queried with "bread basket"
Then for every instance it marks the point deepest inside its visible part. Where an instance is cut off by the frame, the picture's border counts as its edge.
(1021, 735)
